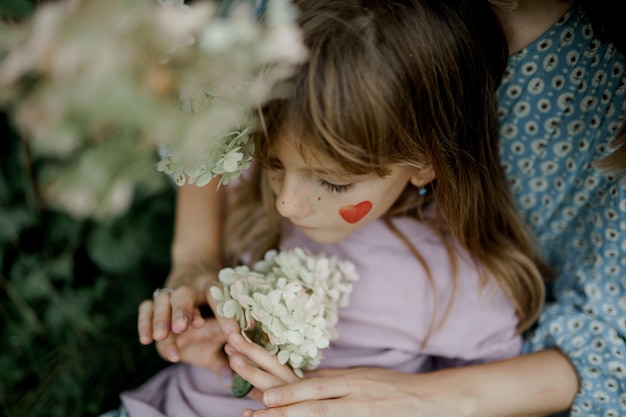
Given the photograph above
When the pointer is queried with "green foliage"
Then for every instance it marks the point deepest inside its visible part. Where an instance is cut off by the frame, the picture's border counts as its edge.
(69, 291)
(15, 8)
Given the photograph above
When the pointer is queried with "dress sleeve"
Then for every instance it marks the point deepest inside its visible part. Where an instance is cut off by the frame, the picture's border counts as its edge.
(586, 316)
(561, 102)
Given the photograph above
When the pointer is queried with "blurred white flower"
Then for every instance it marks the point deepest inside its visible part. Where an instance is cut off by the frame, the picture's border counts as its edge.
(80, 74)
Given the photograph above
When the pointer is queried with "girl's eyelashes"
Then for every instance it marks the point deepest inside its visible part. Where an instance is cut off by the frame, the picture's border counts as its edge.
(273, 164)
(334, 188)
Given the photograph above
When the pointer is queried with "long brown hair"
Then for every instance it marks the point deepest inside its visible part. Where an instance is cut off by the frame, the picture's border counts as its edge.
(615, 162)
(409, 82)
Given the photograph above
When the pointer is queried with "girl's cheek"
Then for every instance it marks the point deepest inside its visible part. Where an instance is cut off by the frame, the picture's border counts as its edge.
(354, 213)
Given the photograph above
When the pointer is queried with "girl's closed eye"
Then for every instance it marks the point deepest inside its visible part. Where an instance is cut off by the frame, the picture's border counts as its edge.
(336, 188)
(273, 164)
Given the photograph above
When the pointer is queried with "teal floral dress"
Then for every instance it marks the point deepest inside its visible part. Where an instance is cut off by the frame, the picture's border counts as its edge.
(561, 103)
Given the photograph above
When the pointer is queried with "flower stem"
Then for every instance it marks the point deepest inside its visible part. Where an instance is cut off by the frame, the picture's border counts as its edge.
(240, 386)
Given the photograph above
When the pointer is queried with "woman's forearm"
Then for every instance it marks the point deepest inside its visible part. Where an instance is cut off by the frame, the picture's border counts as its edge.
(198, 223)
(196, 246)
(195, 264)
(537, 384)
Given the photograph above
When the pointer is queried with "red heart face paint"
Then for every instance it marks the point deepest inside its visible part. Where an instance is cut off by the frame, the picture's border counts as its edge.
(354, 213)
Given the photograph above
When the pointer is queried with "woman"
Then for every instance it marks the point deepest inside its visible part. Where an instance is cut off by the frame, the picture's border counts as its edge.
(575, 360)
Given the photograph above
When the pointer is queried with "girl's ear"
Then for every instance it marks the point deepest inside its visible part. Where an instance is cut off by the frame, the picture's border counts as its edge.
(422, 176)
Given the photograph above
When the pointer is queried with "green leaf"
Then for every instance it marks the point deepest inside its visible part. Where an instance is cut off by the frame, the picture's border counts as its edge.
(15, 8)
(240, 387)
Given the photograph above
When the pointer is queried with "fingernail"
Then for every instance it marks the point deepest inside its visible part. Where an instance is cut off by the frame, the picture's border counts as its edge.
(179, 323)
(229, 329)
(158, 332)
(144, 336)
(173, 356)
(238, 362)
(236, 338)
(271, 398)
(229, 349)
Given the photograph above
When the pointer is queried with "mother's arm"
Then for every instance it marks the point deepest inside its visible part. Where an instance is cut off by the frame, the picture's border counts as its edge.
(530, 385)
(536, 384)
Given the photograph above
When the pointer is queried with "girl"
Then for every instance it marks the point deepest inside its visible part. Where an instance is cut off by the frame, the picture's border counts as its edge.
(561, 105)
(384, 152)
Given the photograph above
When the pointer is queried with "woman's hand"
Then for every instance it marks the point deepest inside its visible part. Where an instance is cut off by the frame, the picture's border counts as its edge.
(174, 311)
(537, 384)
(171, 313)
(363, 392)
(256, 365)
(328, 393)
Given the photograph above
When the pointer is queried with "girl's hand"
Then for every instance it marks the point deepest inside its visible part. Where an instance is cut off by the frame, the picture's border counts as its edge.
(203, 346)
(256, 365)
(363, 392)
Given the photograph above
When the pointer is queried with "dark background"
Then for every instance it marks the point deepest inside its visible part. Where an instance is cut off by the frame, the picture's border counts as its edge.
(69, 289)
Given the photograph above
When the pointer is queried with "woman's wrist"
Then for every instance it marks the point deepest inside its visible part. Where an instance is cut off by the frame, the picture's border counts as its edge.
(200, 275)
(541, 383)
(448, 391)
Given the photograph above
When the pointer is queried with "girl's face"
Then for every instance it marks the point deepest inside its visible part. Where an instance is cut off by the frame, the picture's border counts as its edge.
(324, 201)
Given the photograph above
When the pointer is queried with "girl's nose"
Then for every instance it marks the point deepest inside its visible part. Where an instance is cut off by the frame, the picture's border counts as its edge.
(293, 200)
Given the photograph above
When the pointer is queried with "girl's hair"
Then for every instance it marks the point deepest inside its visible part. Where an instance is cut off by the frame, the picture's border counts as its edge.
(409, 82)
(615, 162)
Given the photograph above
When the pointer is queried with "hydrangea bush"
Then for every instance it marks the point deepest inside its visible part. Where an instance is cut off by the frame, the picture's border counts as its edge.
(97, 87)
(288, 303)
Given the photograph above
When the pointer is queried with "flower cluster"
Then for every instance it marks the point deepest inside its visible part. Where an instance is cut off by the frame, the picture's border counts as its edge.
(96, 88)
(288, 304)
(227, 159)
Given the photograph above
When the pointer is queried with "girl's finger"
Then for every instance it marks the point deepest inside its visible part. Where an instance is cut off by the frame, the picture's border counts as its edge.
(262, 358)
(257, 377)
(144, 322)
(209, 332)
(197, 321)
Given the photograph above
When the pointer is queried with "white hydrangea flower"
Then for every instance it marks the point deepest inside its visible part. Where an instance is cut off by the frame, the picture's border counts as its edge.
(288, 304)
(226, 159)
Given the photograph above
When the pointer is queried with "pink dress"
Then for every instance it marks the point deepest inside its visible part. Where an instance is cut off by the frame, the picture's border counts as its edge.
(389, 315)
